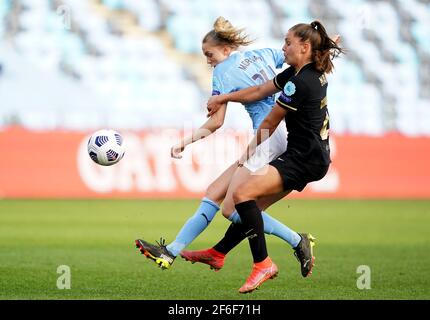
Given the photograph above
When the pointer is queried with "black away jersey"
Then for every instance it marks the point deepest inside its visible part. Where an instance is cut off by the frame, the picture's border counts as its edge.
(304, 95)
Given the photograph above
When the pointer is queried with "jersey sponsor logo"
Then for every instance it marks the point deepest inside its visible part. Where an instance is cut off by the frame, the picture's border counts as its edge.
(290, 88)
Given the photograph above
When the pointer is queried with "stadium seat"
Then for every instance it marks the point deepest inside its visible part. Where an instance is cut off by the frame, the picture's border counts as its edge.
(134, 70)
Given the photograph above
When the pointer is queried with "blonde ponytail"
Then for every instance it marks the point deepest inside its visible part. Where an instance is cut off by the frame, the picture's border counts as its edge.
(224, 33)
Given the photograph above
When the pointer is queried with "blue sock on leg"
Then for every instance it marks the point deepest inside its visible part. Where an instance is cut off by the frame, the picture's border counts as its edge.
(194, 226)
(275, 227)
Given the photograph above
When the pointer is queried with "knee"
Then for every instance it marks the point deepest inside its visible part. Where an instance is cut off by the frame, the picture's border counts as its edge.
(241, 194)
(227, 210)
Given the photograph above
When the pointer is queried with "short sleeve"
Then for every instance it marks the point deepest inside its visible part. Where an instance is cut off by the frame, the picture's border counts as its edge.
(273, 57)
(279, 58)
(293, 94)
(222, 83)
(282, 78)
(217, 87)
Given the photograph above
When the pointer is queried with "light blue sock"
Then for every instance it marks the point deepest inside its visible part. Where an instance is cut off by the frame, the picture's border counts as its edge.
(194, 226)
(275, 227)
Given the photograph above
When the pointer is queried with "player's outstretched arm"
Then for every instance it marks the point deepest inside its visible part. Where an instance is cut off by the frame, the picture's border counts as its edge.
(264, 131)
(210, 126)
(247, 95)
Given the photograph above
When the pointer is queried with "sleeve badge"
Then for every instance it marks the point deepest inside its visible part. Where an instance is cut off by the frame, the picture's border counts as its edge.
(290, 88)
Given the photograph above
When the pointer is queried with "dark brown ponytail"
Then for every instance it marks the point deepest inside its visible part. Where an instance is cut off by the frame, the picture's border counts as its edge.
(324, 49)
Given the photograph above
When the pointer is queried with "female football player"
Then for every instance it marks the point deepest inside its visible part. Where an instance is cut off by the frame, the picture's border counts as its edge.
(303, 105)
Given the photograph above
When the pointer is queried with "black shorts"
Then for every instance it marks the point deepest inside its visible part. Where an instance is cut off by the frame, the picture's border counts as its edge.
(297, 174)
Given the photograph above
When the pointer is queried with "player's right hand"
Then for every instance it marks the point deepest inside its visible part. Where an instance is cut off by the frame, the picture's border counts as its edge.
(213, 105)
(176, 150)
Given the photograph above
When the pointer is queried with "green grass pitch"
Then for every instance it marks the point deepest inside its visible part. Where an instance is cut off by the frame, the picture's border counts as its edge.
(95, 238)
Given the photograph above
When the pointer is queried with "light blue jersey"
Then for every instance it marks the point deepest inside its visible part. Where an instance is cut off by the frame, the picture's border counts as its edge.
(246, 69)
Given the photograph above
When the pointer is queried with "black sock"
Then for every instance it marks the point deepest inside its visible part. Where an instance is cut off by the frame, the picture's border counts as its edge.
(233, 236)
(253, 227)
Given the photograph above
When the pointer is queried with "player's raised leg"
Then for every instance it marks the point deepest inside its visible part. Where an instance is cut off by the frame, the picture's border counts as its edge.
(209, 206)
(272, 226)
(215, 256)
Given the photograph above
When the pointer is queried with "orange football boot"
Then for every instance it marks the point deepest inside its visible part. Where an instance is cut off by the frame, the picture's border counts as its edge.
(210, 256)
(261, 272)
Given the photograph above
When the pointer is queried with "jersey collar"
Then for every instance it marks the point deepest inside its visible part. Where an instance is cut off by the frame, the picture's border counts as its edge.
(307, 65)
(231, 54)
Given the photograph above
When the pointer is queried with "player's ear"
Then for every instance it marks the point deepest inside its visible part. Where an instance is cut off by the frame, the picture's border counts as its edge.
(226, 50)
(306, 46)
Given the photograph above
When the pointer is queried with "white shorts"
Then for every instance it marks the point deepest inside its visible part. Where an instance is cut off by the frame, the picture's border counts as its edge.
(269, 150)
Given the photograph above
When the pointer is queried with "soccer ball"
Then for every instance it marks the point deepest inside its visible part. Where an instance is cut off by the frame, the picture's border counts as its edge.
(105, 147)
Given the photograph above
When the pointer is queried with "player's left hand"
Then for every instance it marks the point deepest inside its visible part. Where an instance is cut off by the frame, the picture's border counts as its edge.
(213, 105)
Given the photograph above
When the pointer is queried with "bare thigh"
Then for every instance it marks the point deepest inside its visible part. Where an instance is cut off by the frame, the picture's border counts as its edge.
(265, 202)
(265, 182)
(217, 190)
(241, 175)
